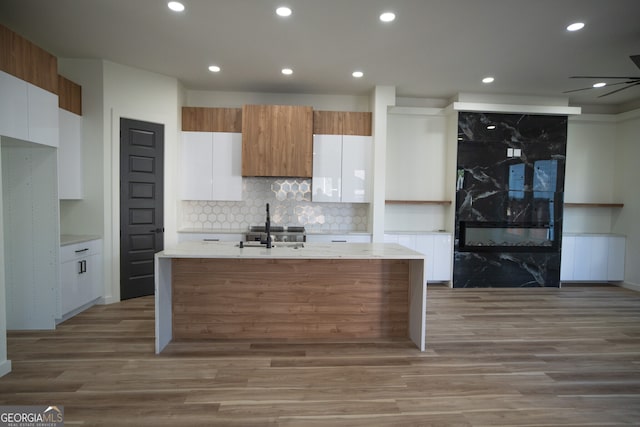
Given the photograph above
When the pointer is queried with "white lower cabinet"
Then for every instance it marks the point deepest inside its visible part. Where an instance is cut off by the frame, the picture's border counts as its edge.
(437, 248)
(592, 258)
(80, 274)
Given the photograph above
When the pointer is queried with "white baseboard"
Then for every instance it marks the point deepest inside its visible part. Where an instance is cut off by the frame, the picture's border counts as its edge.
(632, 286)
(5, 367)
(108, 300)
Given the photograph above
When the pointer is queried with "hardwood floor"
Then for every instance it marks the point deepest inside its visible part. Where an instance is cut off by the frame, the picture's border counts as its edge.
(520, 357)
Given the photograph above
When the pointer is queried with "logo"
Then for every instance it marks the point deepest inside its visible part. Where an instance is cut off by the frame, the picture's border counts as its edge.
(31, 416)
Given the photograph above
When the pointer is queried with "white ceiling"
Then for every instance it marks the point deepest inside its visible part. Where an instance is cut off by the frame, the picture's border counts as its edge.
(434, 49)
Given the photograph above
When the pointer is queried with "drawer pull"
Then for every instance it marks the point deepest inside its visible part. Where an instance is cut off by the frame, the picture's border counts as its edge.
(81, 250)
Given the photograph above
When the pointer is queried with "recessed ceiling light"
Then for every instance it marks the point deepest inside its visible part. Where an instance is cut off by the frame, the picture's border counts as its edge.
(214, 68)
(287, 71)
(488, 80)
(387, 16)
(491, 127)
(600, 84)
(357, 74)
(176, 6)
(283, 11)
(575, 26)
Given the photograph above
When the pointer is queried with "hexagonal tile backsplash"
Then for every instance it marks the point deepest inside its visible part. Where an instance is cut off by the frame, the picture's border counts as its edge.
(290, 204)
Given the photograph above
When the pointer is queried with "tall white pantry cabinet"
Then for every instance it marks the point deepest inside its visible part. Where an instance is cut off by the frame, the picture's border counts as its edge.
(29, 138)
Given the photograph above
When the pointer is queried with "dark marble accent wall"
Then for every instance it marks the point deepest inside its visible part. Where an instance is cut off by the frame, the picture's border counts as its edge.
(511, 171)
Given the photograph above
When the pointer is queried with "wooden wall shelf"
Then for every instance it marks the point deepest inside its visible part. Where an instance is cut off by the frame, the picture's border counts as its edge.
(417, 202)
(593, 205)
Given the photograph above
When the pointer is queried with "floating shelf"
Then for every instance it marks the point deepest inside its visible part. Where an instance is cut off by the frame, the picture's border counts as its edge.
(417, 202)
(594, 205)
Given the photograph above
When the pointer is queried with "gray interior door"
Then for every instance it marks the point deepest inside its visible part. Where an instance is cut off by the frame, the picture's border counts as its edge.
(141, 205)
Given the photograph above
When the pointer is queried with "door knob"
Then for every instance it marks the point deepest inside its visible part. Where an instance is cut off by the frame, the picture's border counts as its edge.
(157, 230)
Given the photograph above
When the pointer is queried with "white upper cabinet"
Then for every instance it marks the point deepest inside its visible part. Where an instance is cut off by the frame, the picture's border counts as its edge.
(211, 166)
(227, 166)
(13, 107)
(28, 112)
(326, 184)
(43, 116)
(70, 156)
(342, 168)
(197, 166)
(356, 168)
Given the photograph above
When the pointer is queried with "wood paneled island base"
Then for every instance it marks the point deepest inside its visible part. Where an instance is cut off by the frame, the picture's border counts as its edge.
(217, 291)
(290, 298)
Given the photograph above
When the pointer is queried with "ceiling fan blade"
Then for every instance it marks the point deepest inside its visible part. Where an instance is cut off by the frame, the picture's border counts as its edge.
(636, 60)
(604, 77)
(622, 88)
(591, 87)
(578, 90)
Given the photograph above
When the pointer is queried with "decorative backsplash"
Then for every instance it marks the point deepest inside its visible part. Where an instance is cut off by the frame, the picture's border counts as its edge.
(290, 204)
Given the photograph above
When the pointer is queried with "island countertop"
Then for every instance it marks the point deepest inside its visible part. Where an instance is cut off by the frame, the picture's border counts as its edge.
(204, 249)
(293, 290)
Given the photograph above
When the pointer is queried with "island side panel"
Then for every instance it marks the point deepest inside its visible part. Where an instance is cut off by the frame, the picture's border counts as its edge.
(418, 302)
(290, 298)
(163, 302)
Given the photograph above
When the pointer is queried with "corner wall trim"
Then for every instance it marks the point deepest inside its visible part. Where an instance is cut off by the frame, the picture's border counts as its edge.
(630, 286)
(5, 367)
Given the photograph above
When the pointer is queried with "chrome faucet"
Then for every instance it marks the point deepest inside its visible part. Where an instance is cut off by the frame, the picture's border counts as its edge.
(267, 229)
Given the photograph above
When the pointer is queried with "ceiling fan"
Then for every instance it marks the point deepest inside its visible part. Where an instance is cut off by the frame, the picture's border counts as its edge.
(628, 81)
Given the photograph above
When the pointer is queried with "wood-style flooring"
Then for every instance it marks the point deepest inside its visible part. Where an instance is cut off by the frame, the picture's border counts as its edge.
(516, 357)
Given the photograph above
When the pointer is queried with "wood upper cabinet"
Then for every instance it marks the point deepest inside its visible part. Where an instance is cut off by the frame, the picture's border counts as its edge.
(69, 95)
(27, 61)
(341, 123)
(204, 119)
(277, 140)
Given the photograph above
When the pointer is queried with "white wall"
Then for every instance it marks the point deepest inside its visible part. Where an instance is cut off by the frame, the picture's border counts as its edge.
(625, 221)
(416, 168)
(136, 94)
(592, 146)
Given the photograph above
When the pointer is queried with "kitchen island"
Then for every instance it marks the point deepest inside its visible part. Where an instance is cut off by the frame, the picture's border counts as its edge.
(310, 291)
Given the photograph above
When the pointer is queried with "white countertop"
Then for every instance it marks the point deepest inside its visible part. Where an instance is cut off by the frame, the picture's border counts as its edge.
(200, 249)
(70, 239)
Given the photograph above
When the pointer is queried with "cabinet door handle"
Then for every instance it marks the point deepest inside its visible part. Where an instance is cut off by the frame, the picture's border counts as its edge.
(83, 266)
(81, 250)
